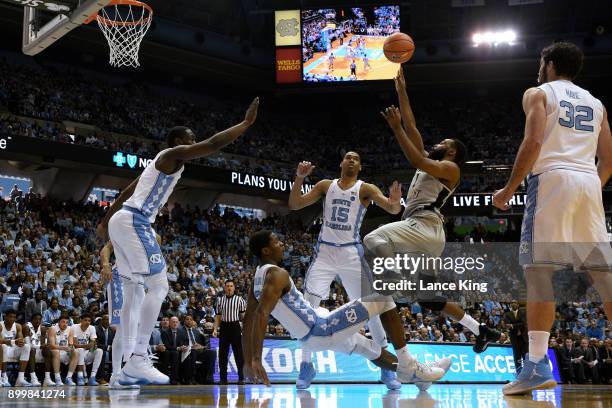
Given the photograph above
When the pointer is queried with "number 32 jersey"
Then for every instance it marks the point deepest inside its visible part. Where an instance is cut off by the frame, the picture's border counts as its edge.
(573, 123)
(343, 214)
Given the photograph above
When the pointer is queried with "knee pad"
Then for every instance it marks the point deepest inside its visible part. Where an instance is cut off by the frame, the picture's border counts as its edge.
(377, 304)
(435, 303)
(365, 347)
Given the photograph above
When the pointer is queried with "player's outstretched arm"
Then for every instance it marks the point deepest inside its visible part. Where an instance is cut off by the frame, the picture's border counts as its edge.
(534, 105)
(390, 204)
(407, 115)
(277, 280)
(443, 170)
(604, 151)
(211, 145)
(297, 200)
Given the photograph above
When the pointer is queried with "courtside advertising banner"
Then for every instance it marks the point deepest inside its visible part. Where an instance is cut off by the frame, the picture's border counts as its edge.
(281, 359)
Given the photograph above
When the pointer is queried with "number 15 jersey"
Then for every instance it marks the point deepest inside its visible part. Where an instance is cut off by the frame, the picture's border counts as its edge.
(573, 123)
(343, 214)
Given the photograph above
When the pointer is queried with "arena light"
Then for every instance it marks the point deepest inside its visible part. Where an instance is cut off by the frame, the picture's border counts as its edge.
(494, 37)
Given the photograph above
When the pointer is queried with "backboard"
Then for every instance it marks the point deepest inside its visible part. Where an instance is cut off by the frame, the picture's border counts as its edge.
(45, 22)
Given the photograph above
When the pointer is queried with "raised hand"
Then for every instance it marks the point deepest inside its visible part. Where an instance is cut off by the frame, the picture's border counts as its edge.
(395, 193)
(392, 116)
(400, 82)
(251, 113)
(305, 169)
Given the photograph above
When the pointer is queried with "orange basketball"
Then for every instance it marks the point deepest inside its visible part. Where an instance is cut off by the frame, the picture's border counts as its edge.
(398, 48)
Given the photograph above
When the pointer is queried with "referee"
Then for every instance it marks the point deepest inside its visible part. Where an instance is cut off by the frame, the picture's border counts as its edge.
(230, 311)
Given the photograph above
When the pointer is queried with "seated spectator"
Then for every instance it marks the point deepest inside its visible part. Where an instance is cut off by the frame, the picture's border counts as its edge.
(200, 351)
(105, 336)
(36, 305)
(176, 342)
(53, 313)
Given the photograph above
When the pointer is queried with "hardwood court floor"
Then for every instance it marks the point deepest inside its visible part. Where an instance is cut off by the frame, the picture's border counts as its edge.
(319, 395)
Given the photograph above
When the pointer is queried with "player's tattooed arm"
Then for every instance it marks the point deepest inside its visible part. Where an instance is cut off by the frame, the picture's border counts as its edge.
(441, 169)
(170, 160)
(407, 115)
(604, 151)
(277, 280)
(297, 200)
(105, 256)
(390, 204)
(534, 105)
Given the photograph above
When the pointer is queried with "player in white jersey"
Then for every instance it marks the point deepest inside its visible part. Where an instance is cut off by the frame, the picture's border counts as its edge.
(421, 230)
(111, 275)
(338, 252)
(36, 336)
(83, 337)
(14, 347)
(138, 255)
(274, 293)
(564, 224)
(62, 351)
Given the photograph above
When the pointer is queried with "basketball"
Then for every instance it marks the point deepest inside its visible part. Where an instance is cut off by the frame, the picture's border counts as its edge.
(398, 48)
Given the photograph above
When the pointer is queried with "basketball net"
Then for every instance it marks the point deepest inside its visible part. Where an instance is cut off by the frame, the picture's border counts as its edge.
(124, 24)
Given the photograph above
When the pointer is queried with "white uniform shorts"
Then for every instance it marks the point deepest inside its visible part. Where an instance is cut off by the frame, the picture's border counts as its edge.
(564, 222)
(64, 357)
(14, 353)
(345, 262)
(136, 249)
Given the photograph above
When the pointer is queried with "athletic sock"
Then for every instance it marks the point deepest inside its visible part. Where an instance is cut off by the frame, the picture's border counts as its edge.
(47, 376)
(471, 323)
(306, 355)
(538, 345)
(20, 376)
(58, 377)
(33, 376)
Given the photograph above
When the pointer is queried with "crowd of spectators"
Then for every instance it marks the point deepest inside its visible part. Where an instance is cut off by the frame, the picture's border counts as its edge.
(49, 264)
(53, 95)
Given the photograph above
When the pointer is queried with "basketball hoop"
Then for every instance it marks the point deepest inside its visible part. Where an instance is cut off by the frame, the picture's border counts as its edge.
(124, 24)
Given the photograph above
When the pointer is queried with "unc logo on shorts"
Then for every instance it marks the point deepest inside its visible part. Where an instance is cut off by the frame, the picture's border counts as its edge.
(156, 259)
(287, 28)
(116, 313)
(351, 315)
(524, 248)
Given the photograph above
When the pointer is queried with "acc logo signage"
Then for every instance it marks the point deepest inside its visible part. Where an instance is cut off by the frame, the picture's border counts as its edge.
(287, 27)
(156, 259)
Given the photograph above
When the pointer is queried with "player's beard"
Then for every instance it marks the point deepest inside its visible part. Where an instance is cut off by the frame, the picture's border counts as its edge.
(438, 154)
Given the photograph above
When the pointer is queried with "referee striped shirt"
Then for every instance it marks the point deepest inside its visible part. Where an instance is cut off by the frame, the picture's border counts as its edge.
(230, 308)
